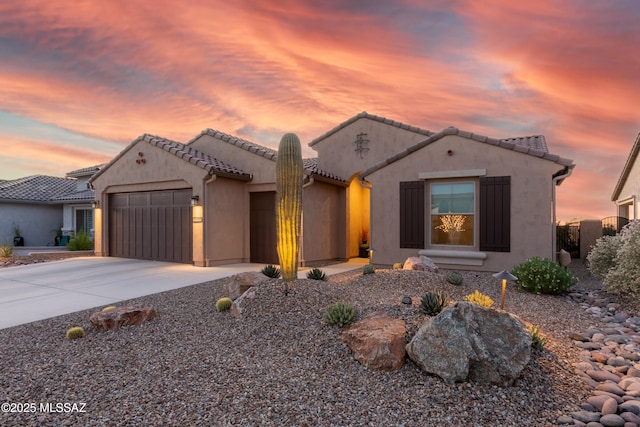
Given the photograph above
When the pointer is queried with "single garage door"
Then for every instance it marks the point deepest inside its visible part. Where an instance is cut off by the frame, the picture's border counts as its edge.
(152, 225)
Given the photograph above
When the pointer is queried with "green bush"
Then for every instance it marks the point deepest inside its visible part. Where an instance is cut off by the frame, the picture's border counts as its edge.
(316, 274)
(479, 298)
(454, 277)
(538, 341)
(80, 242)
(271, 271)
(75, 333)
(543, 276)
(6, 251)
(433, 303)
(602, 257)
(368, 269)
(340, 314)
(224, 304)
(623, 278)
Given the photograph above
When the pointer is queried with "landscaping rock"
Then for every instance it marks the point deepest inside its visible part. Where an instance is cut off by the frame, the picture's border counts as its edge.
(121, 316)
(466, 341)
(421, 263)
(238, 284)
(377, 341)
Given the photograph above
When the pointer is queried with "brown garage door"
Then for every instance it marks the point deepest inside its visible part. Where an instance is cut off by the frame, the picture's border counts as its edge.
(151, 225)
(263, 228)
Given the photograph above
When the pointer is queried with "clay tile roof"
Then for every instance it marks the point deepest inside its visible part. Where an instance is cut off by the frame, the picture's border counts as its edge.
(86, 195)
(311, 168)
(36, 188)
(88, 171)
(252, 147)
(366, 115)
(195, 157)
(531, 145)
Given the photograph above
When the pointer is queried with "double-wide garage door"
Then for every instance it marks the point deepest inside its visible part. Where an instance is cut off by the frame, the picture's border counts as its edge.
(152, 225)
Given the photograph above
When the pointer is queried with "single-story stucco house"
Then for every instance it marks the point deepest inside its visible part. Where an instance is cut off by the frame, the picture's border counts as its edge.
(43, 206)
(626, 193)
(464, 200)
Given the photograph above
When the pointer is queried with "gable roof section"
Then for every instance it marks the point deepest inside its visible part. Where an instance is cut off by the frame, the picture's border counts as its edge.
(626, 170)
(186, 153)
(531, 145)
(311, 168)
(365, 115)
(36, 188)
(252, 147)
(88, 171)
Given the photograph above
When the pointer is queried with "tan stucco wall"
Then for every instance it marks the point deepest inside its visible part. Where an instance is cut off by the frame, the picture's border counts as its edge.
(358, 216)
(337, 154)
(262, 169)
(627, 202)
(324, 225)
(531, 198)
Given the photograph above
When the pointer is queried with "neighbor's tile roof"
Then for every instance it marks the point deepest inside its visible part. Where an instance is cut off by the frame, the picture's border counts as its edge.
(36, 188)
(88, 171)
(311, 167)
(365, 115)
(533, 145)
(86, 195)
(626, 170)
(252, 147)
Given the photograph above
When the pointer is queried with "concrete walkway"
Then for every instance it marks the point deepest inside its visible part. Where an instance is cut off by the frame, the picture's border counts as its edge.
(40, 291)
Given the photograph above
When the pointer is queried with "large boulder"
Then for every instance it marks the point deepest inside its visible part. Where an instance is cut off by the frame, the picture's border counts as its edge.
(420, 263)
(377, 341)
(121, 316)
(469, 342)
(238, 284)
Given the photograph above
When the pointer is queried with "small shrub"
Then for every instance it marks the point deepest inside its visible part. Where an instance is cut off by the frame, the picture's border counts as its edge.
(538, 341)
(433, 303)
(340, 314)
(316, 274)
(543, 276)
(368, 269)
(6, 251)
(479, 298)
(623, 279)
(224, 304)
(271, 271)
(75, 333)
(602, 257)
(398, 266)
(109, 308)
(455, 278)
(80, 242)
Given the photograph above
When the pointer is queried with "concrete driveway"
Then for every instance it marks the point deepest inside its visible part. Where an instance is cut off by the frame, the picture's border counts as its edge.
(40, 291)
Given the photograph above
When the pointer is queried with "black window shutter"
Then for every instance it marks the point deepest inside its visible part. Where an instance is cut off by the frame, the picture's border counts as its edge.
(495, 214)
(412, 214)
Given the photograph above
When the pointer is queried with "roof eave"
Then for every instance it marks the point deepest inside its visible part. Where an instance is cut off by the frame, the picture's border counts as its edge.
(626, 170)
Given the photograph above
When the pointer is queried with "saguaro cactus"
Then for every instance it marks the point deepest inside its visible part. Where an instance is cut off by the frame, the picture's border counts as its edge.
(289, 174)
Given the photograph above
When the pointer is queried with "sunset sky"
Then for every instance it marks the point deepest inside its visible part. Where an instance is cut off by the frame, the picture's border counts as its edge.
(80, 80)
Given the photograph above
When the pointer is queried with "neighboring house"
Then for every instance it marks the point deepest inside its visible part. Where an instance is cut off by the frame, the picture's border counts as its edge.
(626, 194)
(43, 205)
(465, 200)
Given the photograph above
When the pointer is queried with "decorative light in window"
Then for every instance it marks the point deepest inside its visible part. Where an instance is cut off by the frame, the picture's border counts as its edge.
(451, 223)
(361, 144)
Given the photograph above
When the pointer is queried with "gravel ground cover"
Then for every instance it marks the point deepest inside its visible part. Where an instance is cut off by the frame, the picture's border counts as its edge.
(279, 365)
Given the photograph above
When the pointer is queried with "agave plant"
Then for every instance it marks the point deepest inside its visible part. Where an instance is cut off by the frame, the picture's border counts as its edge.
(433, 303)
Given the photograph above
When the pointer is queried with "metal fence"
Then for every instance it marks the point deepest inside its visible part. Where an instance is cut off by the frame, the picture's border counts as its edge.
(612, 225)
(568, 238)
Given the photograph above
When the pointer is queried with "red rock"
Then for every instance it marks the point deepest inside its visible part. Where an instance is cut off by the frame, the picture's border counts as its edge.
(121, 316)
(377, 341)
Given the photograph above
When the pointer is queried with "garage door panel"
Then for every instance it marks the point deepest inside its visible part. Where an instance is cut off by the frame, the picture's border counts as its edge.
(151, 225)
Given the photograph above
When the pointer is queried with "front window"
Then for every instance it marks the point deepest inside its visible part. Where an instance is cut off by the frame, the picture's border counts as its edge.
(84, 220)
(452, 212)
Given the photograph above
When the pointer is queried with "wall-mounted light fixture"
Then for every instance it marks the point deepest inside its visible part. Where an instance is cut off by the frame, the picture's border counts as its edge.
(196, 209)
(95, 204)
